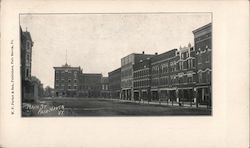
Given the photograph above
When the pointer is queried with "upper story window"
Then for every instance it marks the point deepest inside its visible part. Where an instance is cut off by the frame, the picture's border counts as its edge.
(199, 59)
(200, 77)
(28, 45)
(207, 58)
(28, 59)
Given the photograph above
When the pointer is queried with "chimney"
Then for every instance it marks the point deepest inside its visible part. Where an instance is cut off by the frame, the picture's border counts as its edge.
(142, 52)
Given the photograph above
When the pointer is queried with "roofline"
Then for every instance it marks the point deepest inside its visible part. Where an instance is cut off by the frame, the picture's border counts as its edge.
(92, 73)
(66, 67)
(201, 28)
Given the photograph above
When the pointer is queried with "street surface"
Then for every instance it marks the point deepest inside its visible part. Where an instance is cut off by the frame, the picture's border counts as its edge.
(106, 107)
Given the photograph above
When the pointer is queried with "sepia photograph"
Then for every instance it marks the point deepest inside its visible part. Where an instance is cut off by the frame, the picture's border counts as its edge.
(116, 64)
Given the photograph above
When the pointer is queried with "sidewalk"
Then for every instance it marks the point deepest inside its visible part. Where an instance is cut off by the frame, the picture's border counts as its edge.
(176, 104)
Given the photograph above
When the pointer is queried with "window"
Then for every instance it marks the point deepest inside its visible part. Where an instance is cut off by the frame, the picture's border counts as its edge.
(69, 87)
(200, 77)
(208, 76)
(75, 74)
(27, 72)
(180, 65)
(190, 79)
(207, 58)
(199, 59)
(69, 80)
(28, 45)
(28, 59)
(189, 64)
(193, 63)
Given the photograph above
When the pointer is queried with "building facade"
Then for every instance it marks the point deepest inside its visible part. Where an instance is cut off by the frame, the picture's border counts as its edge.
(105, 93)
(90, 85)
(115, 83)
(142, 80)
(203, 47)
(67, 80)
(26, 63)
(163, 76)
(127, 74)
(186, 77)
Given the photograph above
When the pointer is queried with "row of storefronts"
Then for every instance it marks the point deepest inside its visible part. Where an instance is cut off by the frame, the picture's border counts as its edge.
(178, 75)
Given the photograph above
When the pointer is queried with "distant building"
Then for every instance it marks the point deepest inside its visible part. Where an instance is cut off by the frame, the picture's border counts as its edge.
(115, 83)
(90, 85)
(26, 58)
(105, 87)
(67, 80)
(203, 47)
(127, 63)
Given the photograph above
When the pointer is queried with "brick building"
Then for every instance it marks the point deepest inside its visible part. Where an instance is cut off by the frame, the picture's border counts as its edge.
(115, 83)
(105, 93)
(26, 58)
(164, 76)
(186, 77)
(67, 80)
(90, 85)
(142, 79)
(203, 47)
(127, 63)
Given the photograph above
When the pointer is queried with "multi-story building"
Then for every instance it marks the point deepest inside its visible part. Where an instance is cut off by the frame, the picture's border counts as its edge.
(115, 83)
(164, 76)
(26, 58)
(203, 48)
(186, 77)
(142, 79)
(174, 75)
(127, 63)
(90, 85)
(105, 87)
(67, 81)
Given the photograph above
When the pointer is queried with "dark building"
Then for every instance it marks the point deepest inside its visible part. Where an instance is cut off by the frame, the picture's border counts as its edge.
(164, 76)
(142, 79)
(90, 85)
(115, 83)
(174, 75)
(127, 63)
(26, 58)
(105, 87)
(203, 47)
(67, 80)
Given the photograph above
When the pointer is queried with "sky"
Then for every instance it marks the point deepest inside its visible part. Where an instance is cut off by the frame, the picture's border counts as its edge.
(97, 42)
